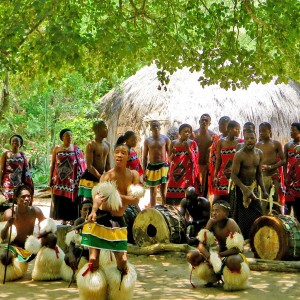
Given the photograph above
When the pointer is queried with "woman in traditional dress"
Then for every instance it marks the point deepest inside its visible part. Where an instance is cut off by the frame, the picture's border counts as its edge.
(133, 162)
(226, 149)
(184, 166)
(66, 169)
(14, 168)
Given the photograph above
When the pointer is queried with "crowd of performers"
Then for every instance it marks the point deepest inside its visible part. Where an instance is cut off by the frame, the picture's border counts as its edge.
(242, 176)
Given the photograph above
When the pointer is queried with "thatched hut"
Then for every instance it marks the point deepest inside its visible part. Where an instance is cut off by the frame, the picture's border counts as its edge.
(139, 100)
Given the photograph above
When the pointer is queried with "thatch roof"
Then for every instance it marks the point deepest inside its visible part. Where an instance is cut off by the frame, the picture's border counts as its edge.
(138, 100)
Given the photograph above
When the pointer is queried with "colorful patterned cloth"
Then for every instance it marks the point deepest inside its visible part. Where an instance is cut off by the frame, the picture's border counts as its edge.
(16, 171)
(86, 184)
(227, 154)
(212, 164)
(157, 173)
(109, 233)
(293, 175)
(22, 254)
(69, 166)
(184, 172)
(133, 162)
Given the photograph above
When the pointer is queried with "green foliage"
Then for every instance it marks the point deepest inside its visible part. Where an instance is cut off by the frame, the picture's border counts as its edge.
(38, 112)
(233, 42)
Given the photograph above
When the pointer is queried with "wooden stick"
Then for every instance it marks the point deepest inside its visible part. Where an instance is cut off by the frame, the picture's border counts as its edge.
(157, 248)
(273, 265)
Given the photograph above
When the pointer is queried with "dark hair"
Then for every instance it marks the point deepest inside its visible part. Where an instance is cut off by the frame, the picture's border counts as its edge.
(224, 119)
(297, 125)
(224, 204)
(249, 131)
(18, 190)
(128, 134)
(182, 126)
(205, 115)
(63, 132)
(97, 124)
(249, 124)
(265, 124)
(17, 136)
(233, 124)
(121, 142)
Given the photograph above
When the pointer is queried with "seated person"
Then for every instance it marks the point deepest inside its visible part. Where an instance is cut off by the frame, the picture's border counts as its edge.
(21, 219)
(228, 261)
(196, 211)
(73, 238)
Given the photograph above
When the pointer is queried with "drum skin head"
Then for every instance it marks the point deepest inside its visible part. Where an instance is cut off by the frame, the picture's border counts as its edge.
(159, 224)
(150, 228)
(275, 237)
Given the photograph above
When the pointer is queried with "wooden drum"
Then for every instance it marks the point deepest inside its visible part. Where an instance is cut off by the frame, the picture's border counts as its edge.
(159, 224)
(275, 237)
(130, 214)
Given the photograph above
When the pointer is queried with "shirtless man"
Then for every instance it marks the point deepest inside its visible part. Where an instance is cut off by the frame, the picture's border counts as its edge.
(196, 211)
(272, 150)
(247, 175)
(248, 126)
(291, 171)
(23, 218)
(157, 147)
(97, 160)
(204, 139)
(228, 261)
(109, 204)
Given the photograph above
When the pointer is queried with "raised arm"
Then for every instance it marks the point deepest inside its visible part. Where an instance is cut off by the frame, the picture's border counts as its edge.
(259, 176)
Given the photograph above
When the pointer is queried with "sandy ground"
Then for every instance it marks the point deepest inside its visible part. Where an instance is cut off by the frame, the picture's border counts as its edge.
(163, 276)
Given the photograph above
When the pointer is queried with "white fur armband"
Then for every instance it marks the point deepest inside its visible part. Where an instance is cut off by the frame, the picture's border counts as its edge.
(235, 240)
(74, 237)
(108, 189)
(136, 190)
(215, 261)
(33, 244)
(48, 225)
(13, 232)
(206, 237)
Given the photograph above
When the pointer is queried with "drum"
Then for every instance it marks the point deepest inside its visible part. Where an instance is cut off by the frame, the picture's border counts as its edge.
(130, 214)
(159, 224)
(275, 237)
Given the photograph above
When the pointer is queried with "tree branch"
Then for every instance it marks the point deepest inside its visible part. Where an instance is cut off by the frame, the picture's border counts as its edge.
(252, 15)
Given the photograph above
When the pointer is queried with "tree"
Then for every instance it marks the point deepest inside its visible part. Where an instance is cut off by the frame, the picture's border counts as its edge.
(234, 42)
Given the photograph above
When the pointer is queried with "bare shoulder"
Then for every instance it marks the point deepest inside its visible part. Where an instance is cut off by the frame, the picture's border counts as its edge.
(232, 226)
(258, 151)
(135, 176)
(165, 137)
(210, 225)
(38, 212)
(107, 176)
(277, 143)
(7, 214)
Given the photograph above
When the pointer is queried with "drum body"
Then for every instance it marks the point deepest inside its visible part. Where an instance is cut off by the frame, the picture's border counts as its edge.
(130, 214)
(275, 237)
(159, 224)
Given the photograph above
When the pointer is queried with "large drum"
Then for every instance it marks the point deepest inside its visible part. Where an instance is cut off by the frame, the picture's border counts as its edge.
(159, 224)
(130, 214)
(275, 237)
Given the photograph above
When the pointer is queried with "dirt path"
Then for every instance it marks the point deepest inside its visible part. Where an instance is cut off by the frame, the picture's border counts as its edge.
(162, 277)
